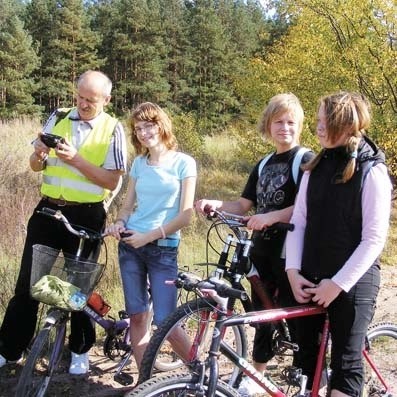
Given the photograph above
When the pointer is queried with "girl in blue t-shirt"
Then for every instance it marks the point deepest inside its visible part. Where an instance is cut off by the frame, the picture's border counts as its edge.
(158, 203)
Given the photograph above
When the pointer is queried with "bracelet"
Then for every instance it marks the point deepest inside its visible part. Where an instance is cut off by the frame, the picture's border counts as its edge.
(162, 232)
(120, 220)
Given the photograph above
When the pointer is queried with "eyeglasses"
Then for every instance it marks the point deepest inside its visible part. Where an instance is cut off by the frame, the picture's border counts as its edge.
(145, 127)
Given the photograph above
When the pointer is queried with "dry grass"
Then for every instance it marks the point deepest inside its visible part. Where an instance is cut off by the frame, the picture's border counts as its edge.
(18, 196)
(222, 175)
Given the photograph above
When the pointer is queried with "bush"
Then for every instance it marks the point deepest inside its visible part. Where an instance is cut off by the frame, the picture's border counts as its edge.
(189, 140)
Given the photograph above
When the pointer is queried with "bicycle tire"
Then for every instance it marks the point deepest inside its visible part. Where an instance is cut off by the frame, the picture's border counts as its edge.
(40, 363)
(177, 385)
(381, 346)
(159, 354)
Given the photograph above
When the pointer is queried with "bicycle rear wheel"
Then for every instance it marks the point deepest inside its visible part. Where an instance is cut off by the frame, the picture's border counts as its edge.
(178, 386)
(42, 361)
(381, 347)
(195, 319)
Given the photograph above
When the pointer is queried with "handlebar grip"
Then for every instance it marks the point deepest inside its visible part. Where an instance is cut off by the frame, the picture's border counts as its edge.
(185, 281)
(210, 214)
(223, 290)
(227, 292)
(283, 226)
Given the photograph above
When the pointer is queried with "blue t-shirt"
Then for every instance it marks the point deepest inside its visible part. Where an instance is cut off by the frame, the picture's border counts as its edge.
(158, 191)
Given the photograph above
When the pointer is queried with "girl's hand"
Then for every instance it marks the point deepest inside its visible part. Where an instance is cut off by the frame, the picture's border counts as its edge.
(300, 286)
(325, 292)
(115, 229)
(205, 206)
(136, 239)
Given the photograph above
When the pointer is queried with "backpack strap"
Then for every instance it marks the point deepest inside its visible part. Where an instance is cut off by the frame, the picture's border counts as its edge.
(263, 163)
(297, 163)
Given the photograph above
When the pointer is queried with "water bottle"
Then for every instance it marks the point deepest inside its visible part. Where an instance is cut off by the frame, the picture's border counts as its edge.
(77, 301)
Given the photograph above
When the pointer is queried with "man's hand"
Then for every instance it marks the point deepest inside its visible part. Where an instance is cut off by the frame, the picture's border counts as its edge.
(66, 152)
(261, 221)
(40, 149)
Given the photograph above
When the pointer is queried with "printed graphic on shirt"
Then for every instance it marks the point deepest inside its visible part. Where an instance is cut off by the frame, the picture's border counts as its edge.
(271, 185)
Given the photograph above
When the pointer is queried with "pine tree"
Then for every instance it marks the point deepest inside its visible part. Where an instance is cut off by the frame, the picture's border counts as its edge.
(67, 47)
(135, 50)
(17, 59)
(176, 40)
(212, 96)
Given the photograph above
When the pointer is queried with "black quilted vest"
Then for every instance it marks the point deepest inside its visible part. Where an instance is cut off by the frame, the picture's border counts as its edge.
(334, 213)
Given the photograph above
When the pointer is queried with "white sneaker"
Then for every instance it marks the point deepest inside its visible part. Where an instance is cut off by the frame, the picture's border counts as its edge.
(79, 364)
(248, 387)
(4, 361)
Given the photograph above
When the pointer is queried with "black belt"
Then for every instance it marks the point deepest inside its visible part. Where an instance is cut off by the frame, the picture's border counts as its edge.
(64, 203)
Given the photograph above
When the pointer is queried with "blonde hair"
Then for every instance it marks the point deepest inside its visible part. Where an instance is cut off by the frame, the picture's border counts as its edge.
(151, 112)
(280, 104)
(346, 113)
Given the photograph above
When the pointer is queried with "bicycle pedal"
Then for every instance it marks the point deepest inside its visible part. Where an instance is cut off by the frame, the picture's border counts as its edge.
(289, 345)
(123, 379)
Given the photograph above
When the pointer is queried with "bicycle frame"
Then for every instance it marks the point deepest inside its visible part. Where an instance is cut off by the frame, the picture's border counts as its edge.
(263, 316)
(111, 326)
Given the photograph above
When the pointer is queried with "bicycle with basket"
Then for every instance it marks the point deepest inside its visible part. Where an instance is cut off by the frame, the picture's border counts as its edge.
(66, 283)
(208, 311)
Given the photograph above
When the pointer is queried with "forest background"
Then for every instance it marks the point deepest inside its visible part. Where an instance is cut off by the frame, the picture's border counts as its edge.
(212, 64)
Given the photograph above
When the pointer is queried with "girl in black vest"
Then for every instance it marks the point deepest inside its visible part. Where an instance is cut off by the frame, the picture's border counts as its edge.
(341, 219)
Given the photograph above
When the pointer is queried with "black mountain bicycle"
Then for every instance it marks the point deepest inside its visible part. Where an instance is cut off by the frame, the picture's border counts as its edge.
(198, 318)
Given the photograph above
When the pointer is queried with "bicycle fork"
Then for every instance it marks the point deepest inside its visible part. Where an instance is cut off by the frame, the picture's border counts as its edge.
(56, 319)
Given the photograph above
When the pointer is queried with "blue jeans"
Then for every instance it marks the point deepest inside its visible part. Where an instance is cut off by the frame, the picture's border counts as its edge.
(154, 264)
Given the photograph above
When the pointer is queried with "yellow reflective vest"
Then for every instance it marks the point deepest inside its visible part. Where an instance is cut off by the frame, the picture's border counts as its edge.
(61, 180)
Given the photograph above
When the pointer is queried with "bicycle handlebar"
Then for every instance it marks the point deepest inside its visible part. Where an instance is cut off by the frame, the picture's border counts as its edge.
(223, 290)
(234, 220)
(82, 234)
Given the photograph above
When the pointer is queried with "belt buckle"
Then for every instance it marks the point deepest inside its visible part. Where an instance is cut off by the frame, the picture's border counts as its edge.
(61, 203)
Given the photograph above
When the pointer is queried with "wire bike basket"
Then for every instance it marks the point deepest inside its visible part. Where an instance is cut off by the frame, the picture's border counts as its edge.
(62, 280)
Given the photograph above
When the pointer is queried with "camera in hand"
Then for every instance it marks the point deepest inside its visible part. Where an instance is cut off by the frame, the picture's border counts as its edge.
(51, 140)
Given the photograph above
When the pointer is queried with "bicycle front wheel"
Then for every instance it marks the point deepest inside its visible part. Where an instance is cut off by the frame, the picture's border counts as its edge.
(381, 347)
(193, 320)
(178, 386)
(42, 361)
